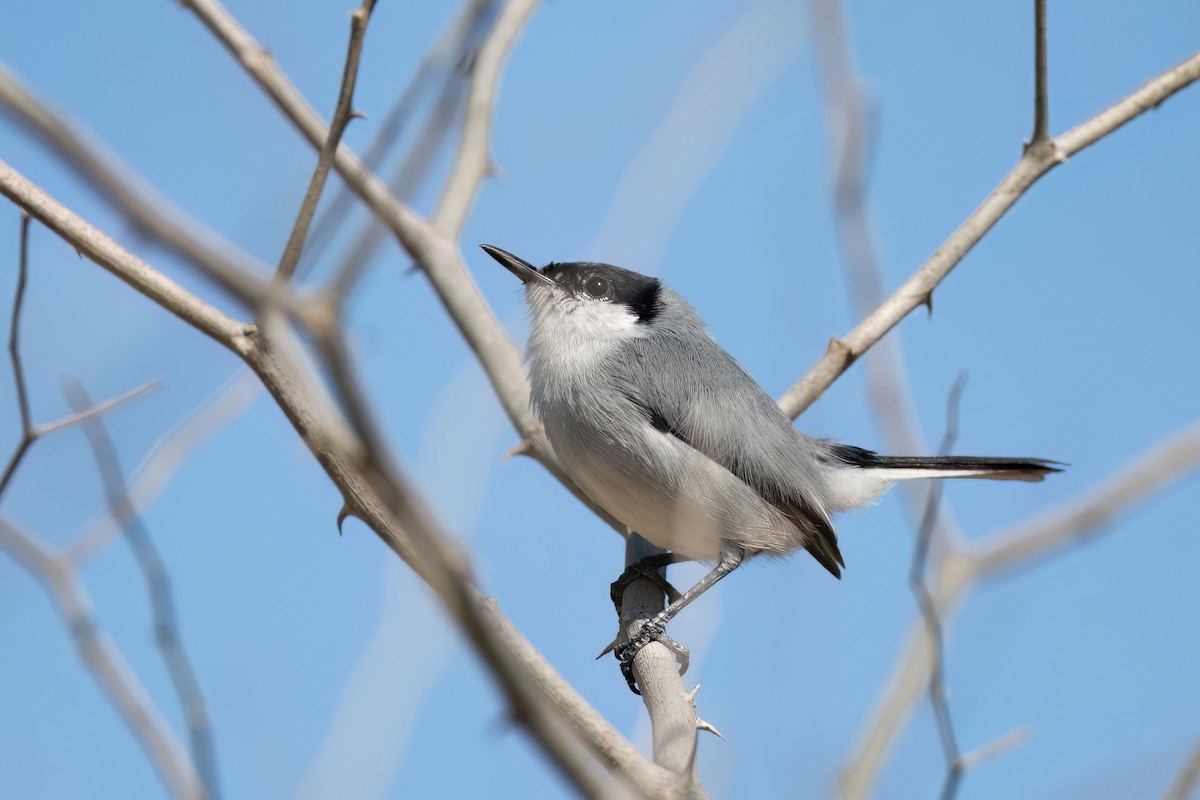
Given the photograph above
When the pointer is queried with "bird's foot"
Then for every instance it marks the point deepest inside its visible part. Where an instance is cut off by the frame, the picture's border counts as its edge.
(652, 631)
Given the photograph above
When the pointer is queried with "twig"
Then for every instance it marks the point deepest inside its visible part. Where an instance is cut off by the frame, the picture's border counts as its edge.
(150, 212)
(959, 571)
(933, 624)
(918, 289)
(1185, 782)
(31, 432)
(1041, 100)
(341, 118)
(104, 661)
(158, 584)
(449, 52)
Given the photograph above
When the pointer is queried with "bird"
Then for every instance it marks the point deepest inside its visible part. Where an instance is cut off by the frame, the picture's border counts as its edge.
(662, 428)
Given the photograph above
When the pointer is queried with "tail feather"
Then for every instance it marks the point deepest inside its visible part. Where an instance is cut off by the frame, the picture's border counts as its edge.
(907, 467)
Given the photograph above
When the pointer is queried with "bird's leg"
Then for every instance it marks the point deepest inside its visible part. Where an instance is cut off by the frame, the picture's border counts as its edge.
(655, 628)
(649, 567)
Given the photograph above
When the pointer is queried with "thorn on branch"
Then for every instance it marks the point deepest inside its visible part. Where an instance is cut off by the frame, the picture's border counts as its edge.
(344, 514)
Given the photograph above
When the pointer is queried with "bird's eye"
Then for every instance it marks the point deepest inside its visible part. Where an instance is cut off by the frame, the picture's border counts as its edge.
(596, 286)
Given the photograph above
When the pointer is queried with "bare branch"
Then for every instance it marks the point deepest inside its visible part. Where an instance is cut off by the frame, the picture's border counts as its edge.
(158, 584)
(1041, 101)
(151, 213)
(474, 160)
(1185, 782)
(918, 289)
(105, 662)
(341, 118)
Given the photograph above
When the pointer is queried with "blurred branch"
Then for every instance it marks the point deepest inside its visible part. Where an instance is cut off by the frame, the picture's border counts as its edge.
(474, 160)
(104, 660)
(957, 762)
(166, 457)
(446, 59)
(929, 612)
(117, 183)
(918, 289)
(850, 141)
(1185, 782)
(158, 584)
(415, 167)
(539, 698)
(58, 575)
(31, 432)
(341, 118)
(955, 575)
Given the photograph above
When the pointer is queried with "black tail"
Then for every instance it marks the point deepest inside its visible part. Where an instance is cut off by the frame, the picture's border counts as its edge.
(1020, 469)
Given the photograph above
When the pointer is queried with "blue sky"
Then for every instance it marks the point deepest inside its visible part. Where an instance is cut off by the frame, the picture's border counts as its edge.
(685, 140)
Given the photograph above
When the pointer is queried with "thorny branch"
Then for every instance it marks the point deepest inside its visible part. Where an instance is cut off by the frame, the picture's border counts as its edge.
(918, 289)
(158, 584)
(497, 354)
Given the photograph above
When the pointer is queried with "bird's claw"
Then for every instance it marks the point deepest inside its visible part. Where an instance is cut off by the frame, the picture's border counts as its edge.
(652, 631)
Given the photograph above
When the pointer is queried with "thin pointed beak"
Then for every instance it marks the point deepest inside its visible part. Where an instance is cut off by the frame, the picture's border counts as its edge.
(517, 266)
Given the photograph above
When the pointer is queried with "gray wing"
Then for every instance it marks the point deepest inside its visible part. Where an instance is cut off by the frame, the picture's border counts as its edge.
(690, 388)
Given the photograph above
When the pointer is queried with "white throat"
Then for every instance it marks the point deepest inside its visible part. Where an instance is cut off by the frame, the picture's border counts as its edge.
(569, 335)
